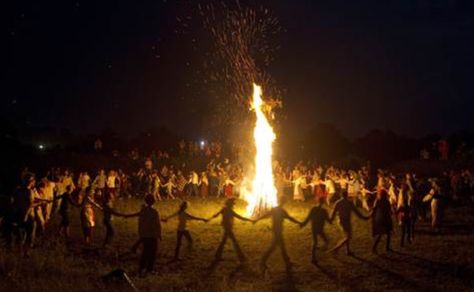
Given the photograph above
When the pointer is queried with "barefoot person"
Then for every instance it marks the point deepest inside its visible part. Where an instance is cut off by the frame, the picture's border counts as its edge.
(149, 232)
(318, 216)
(278, 215)
(183, 218)
(343, 209)
(228, 214)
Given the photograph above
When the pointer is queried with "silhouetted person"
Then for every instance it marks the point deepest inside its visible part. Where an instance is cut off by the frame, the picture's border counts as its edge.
(278, 215)
(228, 215)
(343, 209)
(106, 205)
(149, 232)
(381, 219)
(66, 201)
(318, 216)
(183, 218)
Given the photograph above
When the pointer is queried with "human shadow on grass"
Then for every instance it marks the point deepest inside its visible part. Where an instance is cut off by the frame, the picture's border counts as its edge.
(460, 272)
(347, 282)
(400, 280)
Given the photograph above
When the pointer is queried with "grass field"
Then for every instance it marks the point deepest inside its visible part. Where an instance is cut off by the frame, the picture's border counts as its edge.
(432, 262)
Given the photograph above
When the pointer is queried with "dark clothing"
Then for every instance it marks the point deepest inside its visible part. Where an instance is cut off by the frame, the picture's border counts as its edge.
(65, 221)
(64, 205)
(148, 257)
(278, 215)
(107, 220)
(344, 208)
(381, 217)
(318, 217)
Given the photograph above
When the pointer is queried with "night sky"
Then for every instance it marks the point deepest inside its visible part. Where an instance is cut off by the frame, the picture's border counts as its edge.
(88, 65)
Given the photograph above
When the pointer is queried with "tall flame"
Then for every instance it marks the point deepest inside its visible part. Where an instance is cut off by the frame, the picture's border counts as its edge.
(263, 193)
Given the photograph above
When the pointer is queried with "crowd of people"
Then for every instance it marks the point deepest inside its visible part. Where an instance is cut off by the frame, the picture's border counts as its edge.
(376, 195)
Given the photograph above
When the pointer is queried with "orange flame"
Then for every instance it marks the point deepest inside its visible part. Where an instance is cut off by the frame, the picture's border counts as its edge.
(263, 193)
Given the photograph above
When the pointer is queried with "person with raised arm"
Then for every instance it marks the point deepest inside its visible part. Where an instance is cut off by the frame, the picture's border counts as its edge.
(228, 214)
(183, 218)
(318, 216)
(344, 209)
(278, 216)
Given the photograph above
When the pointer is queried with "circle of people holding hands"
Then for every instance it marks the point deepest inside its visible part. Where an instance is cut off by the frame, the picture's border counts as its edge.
(338, 194)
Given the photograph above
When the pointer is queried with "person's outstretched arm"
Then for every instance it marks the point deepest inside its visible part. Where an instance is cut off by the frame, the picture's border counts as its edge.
(359, 214)
(264, 216)
(191, 217)
(95, 204)
(215, 215)
(241, 217)
(170, 216)
(287, 216)
(306, 221)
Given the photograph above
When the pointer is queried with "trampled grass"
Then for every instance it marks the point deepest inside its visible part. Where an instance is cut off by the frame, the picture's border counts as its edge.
(432, 262)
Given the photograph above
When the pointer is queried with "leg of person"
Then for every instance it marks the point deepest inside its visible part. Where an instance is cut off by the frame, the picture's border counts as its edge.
(188, 237)
(348, 242)
(339, 244)
(315, 245)
(179, 236)
(30, 229)
(147, 260)
(152, 257)
(220, 249)
(237, 248)
(284, 252)
(109, 232)
(268, 252)
(376, 242)
(403, 233)
(325, 239)
(408, 231)
(434, 214)
(387, 246)
(412, 229)
(143, 258)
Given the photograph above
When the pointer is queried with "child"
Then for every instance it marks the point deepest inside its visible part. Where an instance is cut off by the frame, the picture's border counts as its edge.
(149, 232)
(183, 218)
(228, 215)
(318, 217)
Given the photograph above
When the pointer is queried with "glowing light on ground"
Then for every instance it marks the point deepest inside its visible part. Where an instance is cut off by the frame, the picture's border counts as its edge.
(263, 194)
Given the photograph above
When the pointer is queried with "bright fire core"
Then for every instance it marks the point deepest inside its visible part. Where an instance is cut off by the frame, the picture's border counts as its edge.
(263, 194)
